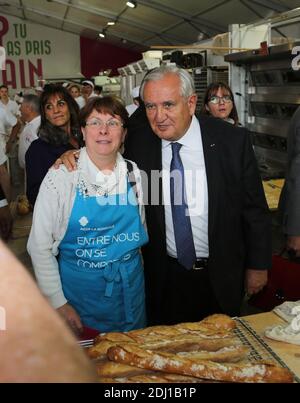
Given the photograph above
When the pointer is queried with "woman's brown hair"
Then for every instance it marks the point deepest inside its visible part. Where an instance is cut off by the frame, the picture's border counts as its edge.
(109, 104)
(211, 90)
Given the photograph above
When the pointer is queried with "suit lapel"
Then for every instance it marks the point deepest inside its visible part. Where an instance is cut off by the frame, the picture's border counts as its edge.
(211, 150)
(156, 165)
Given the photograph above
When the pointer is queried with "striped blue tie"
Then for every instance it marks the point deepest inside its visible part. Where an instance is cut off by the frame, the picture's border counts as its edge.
(186, 254)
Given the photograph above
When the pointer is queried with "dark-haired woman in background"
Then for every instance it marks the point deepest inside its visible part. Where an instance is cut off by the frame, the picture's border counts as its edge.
(59, 132)
(219, 102)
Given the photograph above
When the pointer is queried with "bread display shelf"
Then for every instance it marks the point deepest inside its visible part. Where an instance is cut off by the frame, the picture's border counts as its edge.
(259, 349)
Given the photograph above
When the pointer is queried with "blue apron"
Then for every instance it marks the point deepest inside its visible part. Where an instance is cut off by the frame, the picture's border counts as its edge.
(100, 264)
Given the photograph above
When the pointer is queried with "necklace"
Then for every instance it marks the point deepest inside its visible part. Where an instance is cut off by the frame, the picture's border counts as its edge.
(100, 184)
(86, 188)
(106, 185)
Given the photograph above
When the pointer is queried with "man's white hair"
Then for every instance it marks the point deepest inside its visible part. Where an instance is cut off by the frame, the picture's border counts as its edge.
(187, 87)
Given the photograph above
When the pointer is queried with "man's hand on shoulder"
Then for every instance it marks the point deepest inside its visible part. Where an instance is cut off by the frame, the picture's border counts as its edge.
(255, 280)
(69, 159)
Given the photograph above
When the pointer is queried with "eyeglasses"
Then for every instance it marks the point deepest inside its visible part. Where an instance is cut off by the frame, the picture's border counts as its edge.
(216, 100)
(112, 124)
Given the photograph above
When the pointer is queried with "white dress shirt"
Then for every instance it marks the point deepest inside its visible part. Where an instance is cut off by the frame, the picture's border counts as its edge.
(192, 157)
(7, 121)
(81, 101)
(131, 108)
(11, 107)
(28, 135)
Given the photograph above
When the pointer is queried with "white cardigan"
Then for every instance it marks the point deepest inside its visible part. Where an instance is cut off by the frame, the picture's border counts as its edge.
(51, 215)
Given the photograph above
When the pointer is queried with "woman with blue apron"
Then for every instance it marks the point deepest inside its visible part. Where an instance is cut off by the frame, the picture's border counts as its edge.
(92, 220)
(101, 269)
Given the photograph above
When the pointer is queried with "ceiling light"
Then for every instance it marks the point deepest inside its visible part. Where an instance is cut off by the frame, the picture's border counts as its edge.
(102, 34)
(131, 4)
(111, 23)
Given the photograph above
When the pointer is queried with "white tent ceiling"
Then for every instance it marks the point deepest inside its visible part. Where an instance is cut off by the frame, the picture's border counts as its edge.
(152, 22)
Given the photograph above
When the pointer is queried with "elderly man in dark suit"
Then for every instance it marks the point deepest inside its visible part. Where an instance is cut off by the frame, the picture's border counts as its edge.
(203, 263)
(207, 217)
(289, 204)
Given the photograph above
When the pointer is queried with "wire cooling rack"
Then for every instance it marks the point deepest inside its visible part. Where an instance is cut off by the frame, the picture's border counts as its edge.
(259, 350)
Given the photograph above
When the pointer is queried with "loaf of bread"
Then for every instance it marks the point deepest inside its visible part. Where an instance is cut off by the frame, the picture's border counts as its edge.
(111, 369)
(211, 334)
(154, 377)
(217, 325)
(114, 337)
(214, 323)
(99, 350)
(179, 343)
(133, 355)
(206, 351)
(225, 354)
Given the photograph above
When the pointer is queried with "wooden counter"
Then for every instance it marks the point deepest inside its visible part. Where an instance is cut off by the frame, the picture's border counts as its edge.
(272, 190)
(289, 353)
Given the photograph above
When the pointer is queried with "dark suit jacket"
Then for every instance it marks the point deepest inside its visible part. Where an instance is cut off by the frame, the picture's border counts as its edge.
(239, 228)
(289, 204)
(39, 157)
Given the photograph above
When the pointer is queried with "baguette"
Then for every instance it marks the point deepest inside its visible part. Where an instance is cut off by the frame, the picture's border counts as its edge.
(172, 333)
(226, 354)
(189, 343)
(114, 337)
(216, 326)
(111, 369)
(260, 372)
(153, 377)
(135, 379)
(180, 343)
(216, 322)
(99, 350)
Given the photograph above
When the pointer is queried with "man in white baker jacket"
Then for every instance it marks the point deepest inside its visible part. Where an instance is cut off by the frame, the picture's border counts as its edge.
(30, 114)
(135, 93)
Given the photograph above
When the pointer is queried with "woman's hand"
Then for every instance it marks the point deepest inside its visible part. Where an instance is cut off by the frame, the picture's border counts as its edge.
(71, 317)
(69, 159)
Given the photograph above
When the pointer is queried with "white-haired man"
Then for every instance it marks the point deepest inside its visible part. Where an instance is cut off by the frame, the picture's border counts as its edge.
(135, 93)
(203, 262)
(209, 230)
(30, 114)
